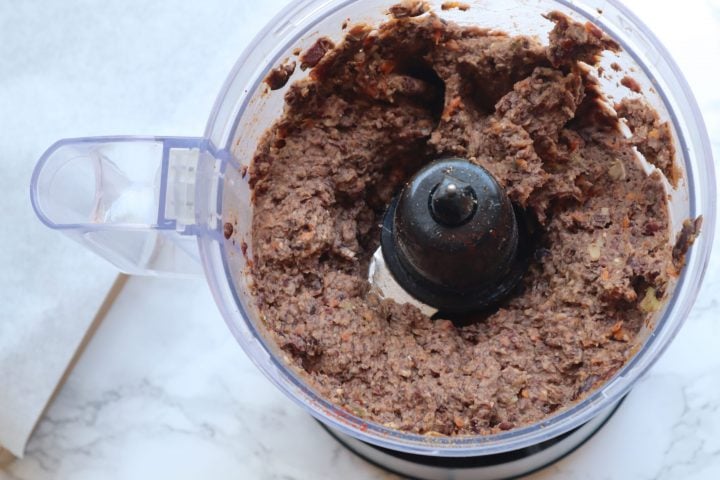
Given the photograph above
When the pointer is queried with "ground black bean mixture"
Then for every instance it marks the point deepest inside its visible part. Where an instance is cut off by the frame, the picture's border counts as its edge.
(386, 101)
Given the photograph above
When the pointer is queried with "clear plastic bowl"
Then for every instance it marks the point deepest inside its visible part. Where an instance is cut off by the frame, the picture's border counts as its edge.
(299, 26)
(196, 186)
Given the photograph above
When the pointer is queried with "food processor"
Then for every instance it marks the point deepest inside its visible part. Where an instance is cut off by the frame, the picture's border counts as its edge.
(175, 206)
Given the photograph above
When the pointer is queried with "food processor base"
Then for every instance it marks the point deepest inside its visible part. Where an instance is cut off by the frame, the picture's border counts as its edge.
(500, 466)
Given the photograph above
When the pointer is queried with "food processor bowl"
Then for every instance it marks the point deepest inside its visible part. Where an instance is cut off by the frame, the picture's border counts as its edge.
(159, 205)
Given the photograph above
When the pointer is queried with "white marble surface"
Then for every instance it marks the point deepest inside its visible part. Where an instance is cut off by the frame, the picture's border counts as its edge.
(64, 298)
(164, 392)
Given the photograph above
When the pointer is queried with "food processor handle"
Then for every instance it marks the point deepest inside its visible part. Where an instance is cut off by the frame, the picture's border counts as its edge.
(129, 199)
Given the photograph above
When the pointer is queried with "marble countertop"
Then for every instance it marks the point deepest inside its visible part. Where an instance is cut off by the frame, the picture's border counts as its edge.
(163, 390)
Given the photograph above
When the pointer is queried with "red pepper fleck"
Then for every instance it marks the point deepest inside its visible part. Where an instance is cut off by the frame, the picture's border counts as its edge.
(314, 54)
(387, 66)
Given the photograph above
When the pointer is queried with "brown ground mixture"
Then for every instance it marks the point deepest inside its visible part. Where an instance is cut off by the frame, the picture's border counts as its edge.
(388, 100)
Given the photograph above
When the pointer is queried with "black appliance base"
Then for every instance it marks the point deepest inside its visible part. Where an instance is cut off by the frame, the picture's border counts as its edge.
(500, 466)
